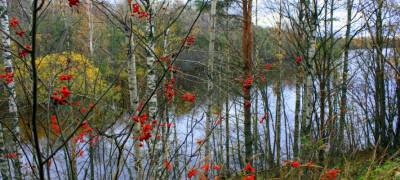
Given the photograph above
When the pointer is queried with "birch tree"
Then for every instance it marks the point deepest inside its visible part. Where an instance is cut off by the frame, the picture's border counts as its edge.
(12, 103)
(151, 86)
(279, 91)
(307, 102)
(133, 95)
(210, 67)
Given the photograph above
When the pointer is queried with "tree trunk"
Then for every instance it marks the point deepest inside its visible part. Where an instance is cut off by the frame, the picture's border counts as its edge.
(90, 24)
(168, 114)
(332, 77)
(210, 67)
(239, 153)
(12, 103)
(255, 128)
(269, 161)
(307, 102)
(3, 159)
(380, 105)
(323, 81)
(296, 118)
(155, 148)
(343, 98)
(227, 134)
(227, 109)
(91, 51)
(134, 100)
(278, 120)
(151, 69)
(279, 92)
(247, 45)
(397, 131)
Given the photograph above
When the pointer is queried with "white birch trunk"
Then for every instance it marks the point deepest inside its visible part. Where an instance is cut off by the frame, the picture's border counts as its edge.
(166, 129)
(279, 92)
(307, 99)
(90, 23)
(151, 71)
(155, 149)
(134, 100)
(12, 104)
(210, 68)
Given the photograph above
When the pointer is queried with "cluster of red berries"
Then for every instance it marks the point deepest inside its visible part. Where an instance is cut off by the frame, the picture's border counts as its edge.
(264, 118)
(8, 77)
(296, 164)
(167, 165)
(65, 77)
(12, 155)
(249, 170)
(14, 24)
(167, 59)
(192, 172)
(140, 119)
(86, 129)
(25, 51)
(247, 83)
(73, 3)
(189, 40)
(136, 10)
(62, 98)
(169, 89)
(206, 167)
(331, 174)
(298, 59)
(145, 131)
(54, 125)
(268, 66)
(188, 97)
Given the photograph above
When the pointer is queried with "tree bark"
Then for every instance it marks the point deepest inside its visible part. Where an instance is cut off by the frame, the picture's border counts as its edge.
(380, 101)
(343, 98)
(155, 148)
(134, 100)
(12, 102)
(307, 102)
(278, 107)
(397, 131)
(227, 133)
(255, 128)
(210, 86)
(247, 45)
(296, 117)
(91, 51)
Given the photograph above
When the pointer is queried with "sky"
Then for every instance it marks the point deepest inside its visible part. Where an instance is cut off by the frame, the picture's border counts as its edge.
(268, 14)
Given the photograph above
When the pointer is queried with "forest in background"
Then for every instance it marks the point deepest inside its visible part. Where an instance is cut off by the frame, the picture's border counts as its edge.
(200, 89)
